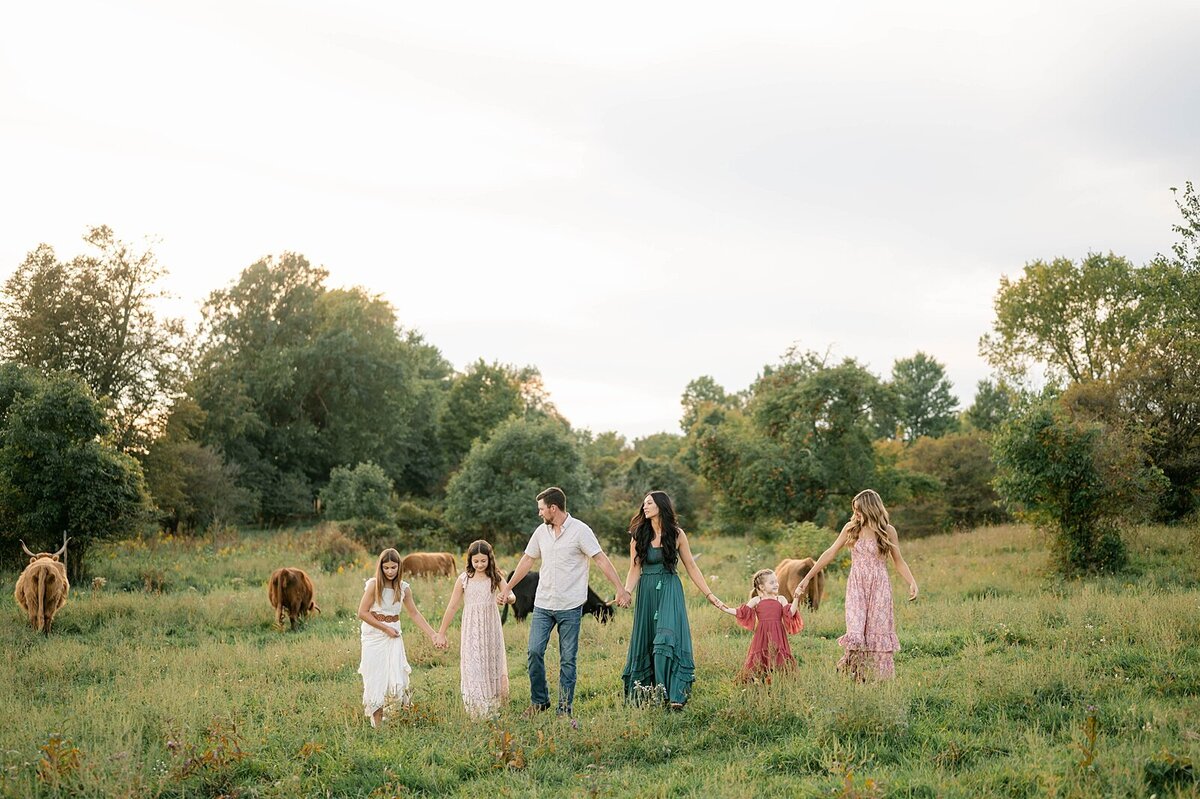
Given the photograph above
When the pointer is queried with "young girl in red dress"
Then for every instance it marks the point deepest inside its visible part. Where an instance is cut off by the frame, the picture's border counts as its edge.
(772, 619)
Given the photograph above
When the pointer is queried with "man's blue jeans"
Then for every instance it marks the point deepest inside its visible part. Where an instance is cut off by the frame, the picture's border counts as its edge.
(540, 628)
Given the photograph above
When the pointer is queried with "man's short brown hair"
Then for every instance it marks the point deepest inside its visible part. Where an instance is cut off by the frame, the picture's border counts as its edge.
(554, 496)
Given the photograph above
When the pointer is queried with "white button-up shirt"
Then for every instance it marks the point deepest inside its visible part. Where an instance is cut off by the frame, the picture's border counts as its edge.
(563, 577)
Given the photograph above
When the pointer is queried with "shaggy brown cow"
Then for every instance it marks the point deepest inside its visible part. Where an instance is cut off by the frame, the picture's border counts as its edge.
(791, 571)
(419, 564)
(291, 590)
(42, 588)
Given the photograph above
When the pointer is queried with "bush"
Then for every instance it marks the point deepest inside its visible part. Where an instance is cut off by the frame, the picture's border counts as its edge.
(375, 536)
(964, 497)
(363, 492)
(419, 523)
(1081, 480)
(333, 549)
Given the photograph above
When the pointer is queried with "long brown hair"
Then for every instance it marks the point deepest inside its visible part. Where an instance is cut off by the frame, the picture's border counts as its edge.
(482, 547)
(871, 515)
(388, 556)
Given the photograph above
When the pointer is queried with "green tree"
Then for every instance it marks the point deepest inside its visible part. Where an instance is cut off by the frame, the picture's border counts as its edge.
(802, 447)
(296, 379)
(94, 316)
(701, 395)
(924, 404)
(1079, 321)
(1080, 479)
(56, 475)
(191, 485)
(364, 492)
(493, 495)
(963, 467)
(481, 398)
(994, 401)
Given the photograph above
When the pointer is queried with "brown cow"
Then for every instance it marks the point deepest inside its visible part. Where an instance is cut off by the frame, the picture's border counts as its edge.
(791, 571)
(291, 590)
(422, 563)
(42, 588)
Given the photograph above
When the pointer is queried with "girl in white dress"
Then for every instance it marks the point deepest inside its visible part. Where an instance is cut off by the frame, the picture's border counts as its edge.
(484, 666)
(384, 666)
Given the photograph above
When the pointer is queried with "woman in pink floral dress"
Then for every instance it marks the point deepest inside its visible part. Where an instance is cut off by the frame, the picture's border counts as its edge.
(870, 641)
(483, 664)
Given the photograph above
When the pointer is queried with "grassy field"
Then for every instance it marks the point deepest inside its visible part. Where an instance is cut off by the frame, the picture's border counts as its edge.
(170, 680)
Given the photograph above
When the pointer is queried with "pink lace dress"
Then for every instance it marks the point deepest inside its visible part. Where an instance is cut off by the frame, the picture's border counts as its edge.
(870, 640)
(484, 666)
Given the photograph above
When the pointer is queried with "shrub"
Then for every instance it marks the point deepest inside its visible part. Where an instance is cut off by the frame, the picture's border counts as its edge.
(363, 492)
(1081, 480)
(331, 548)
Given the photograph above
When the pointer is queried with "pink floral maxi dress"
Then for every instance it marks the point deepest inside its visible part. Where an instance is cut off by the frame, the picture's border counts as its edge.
(870, 640)
(484, 666)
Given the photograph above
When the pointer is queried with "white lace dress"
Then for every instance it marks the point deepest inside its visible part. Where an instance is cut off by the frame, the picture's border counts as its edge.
(384, 665)
(484, 666)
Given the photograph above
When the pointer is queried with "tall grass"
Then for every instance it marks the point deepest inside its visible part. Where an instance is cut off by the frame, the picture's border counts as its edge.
(171, 680)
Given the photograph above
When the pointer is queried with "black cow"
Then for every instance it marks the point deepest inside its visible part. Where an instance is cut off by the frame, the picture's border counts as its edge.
(527, 588)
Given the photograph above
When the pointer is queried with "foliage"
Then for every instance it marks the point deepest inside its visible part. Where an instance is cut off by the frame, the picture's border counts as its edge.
(481, 398)
(296, 379)
(802, 447)
(1080, 479)
(94, 316)
(364, 492)
(923, 402)
(994, 401)
(57, 477)
(962, 465)
(191, 484)
(329, 546)
(1080, 321)
(493, 495)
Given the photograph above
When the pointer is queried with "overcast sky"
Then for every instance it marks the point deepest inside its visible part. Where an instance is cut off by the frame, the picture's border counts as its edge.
(627, 195)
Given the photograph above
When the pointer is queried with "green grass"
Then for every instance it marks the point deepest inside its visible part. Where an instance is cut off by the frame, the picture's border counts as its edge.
(172, 681)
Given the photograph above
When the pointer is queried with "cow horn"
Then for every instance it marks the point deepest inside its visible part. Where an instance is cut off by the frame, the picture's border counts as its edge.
(27, 552)
(64, 547)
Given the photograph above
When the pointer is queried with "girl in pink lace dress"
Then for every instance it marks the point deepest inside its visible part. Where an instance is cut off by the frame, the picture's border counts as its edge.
(870, 641)
(483, 664)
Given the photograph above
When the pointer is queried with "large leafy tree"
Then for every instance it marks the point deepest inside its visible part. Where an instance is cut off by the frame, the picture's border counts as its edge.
(924, 404)
(57, 476)
(296, 379)
(1079, 321)
(95, 316)
(480, 398)
(493, 495)
(801, 448)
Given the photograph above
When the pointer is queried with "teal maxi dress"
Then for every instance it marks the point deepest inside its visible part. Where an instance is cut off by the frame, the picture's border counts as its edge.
(660, 663)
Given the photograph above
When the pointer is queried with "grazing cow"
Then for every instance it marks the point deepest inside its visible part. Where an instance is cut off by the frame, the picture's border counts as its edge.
(527, 588)
(42, 588)
(420, 564)
(291, 591)
(791, 571)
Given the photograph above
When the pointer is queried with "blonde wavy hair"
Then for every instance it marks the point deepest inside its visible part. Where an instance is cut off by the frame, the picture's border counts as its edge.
(388, 556)
(870, 514)
(756, 580)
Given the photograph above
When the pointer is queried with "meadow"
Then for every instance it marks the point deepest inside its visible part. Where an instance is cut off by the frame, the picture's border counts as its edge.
(168, 678)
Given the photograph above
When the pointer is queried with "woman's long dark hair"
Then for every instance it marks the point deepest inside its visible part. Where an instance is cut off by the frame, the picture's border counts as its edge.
(641, 530)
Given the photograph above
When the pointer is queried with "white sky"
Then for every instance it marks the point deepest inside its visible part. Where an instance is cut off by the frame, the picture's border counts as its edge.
(627, 195)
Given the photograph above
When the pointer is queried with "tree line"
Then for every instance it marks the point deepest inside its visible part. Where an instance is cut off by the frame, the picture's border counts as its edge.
(295, 400)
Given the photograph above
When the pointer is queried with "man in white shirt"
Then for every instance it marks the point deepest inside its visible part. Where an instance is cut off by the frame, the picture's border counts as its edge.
(566, 546)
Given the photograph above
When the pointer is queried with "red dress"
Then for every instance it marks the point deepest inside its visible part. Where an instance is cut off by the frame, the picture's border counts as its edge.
(771, 621)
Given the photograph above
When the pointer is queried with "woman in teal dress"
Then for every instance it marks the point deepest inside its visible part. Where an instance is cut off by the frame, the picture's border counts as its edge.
(660, 665)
